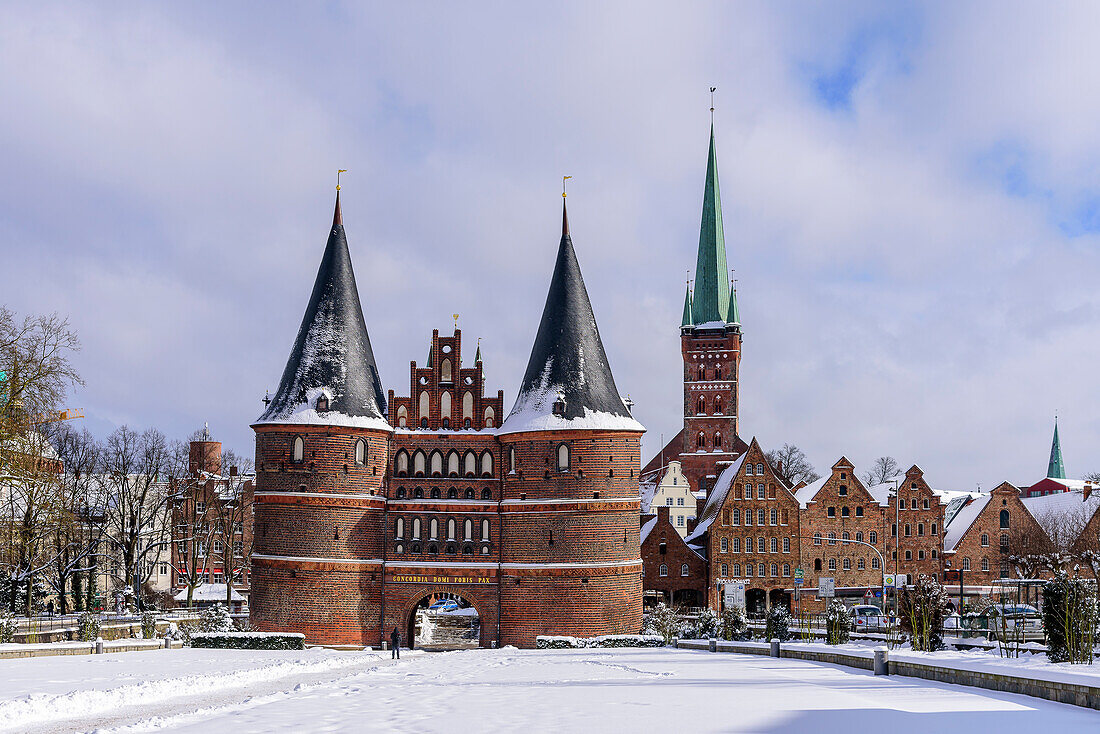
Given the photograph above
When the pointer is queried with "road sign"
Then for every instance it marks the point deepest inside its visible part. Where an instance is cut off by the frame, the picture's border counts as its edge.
(900, 580)
(799, 581)
(888, 581)
(826, 586)
(952, 574)
(798, 573)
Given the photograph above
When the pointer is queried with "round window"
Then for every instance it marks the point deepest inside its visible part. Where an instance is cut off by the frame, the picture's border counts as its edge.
(446, 348)
(423, 380)
(468, 380)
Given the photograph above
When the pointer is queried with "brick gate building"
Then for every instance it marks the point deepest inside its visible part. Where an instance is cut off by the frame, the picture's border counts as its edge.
(367, 508)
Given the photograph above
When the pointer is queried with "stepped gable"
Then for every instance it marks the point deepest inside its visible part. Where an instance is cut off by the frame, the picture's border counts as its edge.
(568, 363)
(331, 360)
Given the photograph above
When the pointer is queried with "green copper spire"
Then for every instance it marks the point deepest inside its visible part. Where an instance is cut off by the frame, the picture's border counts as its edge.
(735, 313)
(1056, 469)
(429, 365)
(686, 321)
(712, 285)
(477, 357)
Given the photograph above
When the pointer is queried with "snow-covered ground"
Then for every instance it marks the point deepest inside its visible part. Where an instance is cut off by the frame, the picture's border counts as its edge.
(607, 690)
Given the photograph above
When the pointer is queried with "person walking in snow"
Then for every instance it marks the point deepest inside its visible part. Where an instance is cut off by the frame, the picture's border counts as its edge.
(395, 644)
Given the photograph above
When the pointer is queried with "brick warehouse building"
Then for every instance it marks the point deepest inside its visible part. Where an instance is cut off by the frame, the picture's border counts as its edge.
(365, 509)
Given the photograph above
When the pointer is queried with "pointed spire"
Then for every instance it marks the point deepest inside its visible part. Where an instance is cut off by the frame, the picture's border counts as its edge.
(568, 383)
(712, 287)
(564, 220)
(431, 354)
(337, 215)
(686, 320)
(477, 355)
(734, 312)
(332, 355)
(1056, 468)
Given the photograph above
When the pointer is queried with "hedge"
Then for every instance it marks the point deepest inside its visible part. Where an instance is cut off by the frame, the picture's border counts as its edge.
(561, 642)
(249, 641)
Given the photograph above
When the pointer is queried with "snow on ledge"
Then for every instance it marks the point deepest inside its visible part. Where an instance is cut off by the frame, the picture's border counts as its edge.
(302, 414)
(535, 420)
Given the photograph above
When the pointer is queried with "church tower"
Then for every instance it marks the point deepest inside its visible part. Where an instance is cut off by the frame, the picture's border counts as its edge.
(321, 448)
(570, 555)
(710, 342)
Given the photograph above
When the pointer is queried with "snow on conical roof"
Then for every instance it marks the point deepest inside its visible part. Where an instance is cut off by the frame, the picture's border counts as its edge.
(568, 364)
(331, 360)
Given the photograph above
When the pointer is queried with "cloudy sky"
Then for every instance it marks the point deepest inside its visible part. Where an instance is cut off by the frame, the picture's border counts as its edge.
(911, 198)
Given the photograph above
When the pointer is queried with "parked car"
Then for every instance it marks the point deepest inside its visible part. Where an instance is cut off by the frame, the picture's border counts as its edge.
(868, 618)
(444, 605)
(1014, 621)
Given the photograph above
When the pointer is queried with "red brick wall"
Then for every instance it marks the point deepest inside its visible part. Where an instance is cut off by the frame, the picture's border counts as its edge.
(925, 526)
(664, 546)
(1004, 497)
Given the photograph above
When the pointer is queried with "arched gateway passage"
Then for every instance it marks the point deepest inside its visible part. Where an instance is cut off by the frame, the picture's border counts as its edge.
(443, 621)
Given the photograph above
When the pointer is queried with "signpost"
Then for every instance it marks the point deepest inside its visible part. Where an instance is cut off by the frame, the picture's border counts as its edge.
(956, 574)
(826, 587)
(733, 594)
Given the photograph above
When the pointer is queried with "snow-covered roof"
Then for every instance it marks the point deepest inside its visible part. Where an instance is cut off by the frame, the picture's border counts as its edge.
(958, 524)
(1063, 503)
(568, 363)
(648, 528)
(1072, 484)
(717, 498)
(209, 592)
(806, 494)
(648, 489)
(332, 355)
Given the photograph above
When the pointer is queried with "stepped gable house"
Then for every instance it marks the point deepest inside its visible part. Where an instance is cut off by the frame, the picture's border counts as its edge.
(366, 509)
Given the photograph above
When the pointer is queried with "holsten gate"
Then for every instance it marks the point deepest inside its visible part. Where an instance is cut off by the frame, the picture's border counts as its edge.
(368, 505)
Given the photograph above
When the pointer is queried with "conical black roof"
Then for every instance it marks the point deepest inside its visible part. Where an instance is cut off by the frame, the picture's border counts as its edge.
(332, 354)
(568, 361)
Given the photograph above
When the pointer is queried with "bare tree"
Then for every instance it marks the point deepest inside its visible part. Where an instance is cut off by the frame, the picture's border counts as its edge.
(791, 464)
(36, 356)
(135, 469)
(884, 468)
(234, 518)
(79, 527)
(1093, 477)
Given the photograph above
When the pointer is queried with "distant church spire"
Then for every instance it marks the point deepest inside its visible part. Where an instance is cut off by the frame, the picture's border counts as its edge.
(710, 301)
(1056, 468)
(686, 320)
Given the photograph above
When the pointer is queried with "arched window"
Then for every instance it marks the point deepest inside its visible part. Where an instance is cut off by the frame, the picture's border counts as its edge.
(718, 440)
(760, 469)
(360, 452)
(718, 405)
(847, 564)
(786, 545)
(702, 372)
(1004, 541)
(435, 493)
(418, 464)
(563, 458)
(872, 538)
(467, 529)
(1004, 519)
(399, 549)
(748, 469)
(445, 371)
(402, 416)
(452, 464)
(400, 493)
(485, 530)
(445, 405)
(487, 464)
(511, 460)
(817, 564)
(418, 493)
(966, 564)
(433, 529)
(701, 406)
(845, 535)
(773, 545)
(859, 536)
(775, 569)
(450, 528)
(468, 405)
(416, 528)
(664, 570)
(684, 570)
(736, 516)
(773, 518)
(437, 464)
(299, 451)
(402, 464)
(490, 416)
(985, 540)
(701, 440)
(817, 538)
(786, 569)
(985, 564)
(399, 528)
(469, 462)
(920, 528)
(469, 493)
(452, 494)
(424, 408)
(875, 563)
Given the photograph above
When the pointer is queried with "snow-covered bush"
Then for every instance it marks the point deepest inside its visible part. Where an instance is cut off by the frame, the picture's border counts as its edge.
(215, 619)
(244, 624)
(249, 640)
(7, 628)
(703, 627)
(148, 625)
(921, 609)
(563, 642)
(661, 621)
(1069, 616)
(734, 626)
(88, 626)
(838, 623)
(778, 625)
